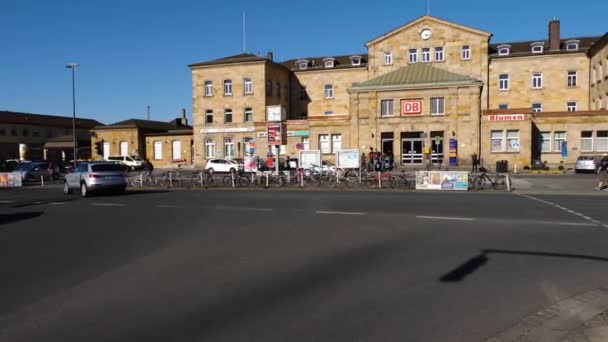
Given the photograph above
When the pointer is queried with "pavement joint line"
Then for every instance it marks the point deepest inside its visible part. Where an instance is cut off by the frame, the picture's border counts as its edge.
(6, 201)
(445, 218)
(106, 204)
(339, 212)
(56, 203)
(583, 216)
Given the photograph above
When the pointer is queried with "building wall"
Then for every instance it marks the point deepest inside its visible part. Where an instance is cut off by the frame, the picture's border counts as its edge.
(598, 81)
(167, 159)
(33, 136)
(114, 137)
(554, 93)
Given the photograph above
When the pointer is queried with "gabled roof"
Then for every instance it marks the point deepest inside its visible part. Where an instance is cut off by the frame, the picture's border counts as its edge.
(427, 18)
(316, 63)
(7, 117)
(598, 45)
(240, 58)
(418, 75)
(525, 48)
(140, 124)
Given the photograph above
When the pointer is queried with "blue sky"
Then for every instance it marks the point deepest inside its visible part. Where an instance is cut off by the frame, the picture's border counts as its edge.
(134, 53)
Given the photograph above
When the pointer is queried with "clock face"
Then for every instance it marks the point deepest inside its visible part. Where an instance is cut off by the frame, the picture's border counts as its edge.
(425, 34)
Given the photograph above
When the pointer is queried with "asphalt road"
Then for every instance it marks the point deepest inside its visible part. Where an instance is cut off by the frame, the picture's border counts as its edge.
(290, 266)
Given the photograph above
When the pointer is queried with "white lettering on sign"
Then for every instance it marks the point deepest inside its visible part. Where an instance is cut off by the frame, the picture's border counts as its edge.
(411, 106)
(506, 117)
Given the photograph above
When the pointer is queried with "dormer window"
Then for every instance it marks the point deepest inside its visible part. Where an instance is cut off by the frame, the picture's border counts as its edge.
(328, 62)
(355, 60)
(504, 50)
(538, 47)
(302, 64)
(572, 45)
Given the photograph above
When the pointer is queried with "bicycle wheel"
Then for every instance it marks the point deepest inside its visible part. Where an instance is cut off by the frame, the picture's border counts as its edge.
(500, 183)
(396, 182)
(372, 182)
(227, 181)
(244, 181)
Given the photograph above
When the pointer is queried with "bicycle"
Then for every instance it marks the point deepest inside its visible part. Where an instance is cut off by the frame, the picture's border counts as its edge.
(402, 181)
(170, 178)
(483, 181)
(379, 180)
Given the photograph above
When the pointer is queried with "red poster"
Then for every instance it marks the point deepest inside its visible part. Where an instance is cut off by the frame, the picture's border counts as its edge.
(274, 134)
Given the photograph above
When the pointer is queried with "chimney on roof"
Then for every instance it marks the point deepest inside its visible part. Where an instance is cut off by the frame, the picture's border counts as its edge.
(554, 34)
(184, 120)
(270, 56)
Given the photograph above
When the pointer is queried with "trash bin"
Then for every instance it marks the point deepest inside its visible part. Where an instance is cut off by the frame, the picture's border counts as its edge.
(502, 166)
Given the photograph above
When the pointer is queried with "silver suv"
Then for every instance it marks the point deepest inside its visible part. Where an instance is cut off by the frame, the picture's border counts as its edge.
(96, 176)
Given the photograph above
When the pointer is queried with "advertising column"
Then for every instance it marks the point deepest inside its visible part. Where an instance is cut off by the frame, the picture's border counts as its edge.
(276, 130)
(453, 152)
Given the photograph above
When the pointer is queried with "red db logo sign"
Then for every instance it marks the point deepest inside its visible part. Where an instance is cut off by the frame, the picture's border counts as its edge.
(411, 107)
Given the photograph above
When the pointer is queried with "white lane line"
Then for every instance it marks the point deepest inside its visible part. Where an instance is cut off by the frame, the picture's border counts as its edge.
(103, 204)
(445, 218)
(6, 201)
(170, 206)
(56, 203)
(581, 224)
(339, 212)
(242, 208)
(570, 211)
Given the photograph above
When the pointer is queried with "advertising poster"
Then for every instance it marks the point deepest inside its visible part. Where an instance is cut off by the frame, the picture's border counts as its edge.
(348, 159)
(10, 179)
(309, 158)
(250, 165)
(274, 134)
(442, 180)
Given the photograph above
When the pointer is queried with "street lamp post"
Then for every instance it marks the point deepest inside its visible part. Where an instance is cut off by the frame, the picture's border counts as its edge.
(73, 66)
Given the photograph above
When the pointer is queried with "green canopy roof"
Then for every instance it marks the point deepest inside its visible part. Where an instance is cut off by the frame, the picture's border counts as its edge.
(417, 75)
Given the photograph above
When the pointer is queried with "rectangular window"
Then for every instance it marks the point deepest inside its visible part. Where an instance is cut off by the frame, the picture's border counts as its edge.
(306, 143)
(336, 143)
(209, 148)
(158, 150)
(601, 142)
(537, 80)
(248, 115)
(571, 106)
(248, 86)
(513, 140)
(177, 150)
(537, 107)
(208, 88)
(124, 148)
(546, 144)
(324, 144)
(503, 106)
(439, 54)
(497, 141)
(329, 91)
(227, 115)
(208, 116)
(558, 140)
(466, 52)
(386, 108)
(388, 58)
(437, 105)
(586, 141)
(571, 78)
(426, 54)
(228, 87)
(503, 82)
(229, 148)
(413, 55)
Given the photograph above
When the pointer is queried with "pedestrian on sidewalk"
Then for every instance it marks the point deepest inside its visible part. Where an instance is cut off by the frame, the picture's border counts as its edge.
(475, 162)
(602, 178)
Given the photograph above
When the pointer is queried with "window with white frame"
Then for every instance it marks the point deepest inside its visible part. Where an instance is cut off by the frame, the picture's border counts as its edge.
(497, 141)
(504, 50)
(537, 107)
(229, 148)
(208, 88)
(209, 116)
(388, 58)
(306, 143)
(558, 140)
(537, 47)
(303, 64)
(158, 150)
(426, 54)
(572, 45)
(439, 54)
(209, 148)
(413, 55)
(324, 143)
(124, 148)
(328, 62)
(571, 78)
(227, 115)
(537, 80)
(503, 82)
(503, 106)
(329, 91)
(466, 52)
(437, 105)
(336, 143)
(248, 114)
(601, 141)
(386, 108)
(228, 87)
(571, 106)
(248, 86)
(176, 149)
(546, 142)
(355, 60)
(586, 141)
(513, 140)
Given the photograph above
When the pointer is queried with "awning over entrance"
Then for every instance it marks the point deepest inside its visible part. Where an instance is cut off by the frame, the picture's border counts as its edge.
(65, 141)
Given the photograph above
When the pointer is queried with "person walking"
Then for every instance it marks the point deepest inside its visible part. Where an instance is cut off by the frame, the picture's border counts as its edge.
(475, 162)
(363, 161)
(602, 178)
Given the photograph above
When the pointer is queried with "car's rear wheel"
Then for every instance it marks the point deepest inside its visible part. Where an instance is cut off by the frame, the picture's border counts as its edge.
(66, 188)
(84, 190)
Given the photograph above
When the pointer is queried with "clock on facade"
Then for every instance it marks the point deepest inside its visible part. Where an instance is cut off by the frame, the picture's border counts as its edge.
(425, 34)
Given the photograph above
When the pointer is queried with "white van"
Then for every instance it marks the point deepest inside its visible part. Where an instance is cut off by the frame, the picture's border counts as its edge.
(133, 162)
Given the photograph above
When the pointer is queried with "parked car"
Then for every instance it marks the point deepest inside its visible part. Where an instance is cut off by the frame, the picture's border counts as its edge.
(34, 170)
(587, 164)
(91, 177)
(133, 162)
(223, 165)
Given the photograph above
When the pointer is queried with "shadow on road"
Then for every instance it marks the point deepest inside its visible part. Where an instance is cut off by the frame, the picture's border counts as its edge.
(10, 218)
(473, 264)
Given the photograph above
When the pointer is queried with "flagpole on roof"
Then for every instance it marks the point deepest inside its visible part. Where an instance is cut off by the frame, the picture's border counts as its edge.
(243, 31)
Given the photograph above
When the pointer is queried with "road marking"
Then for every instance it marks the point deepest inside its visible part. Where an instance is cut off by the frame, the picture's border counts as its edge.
(170, 206)
(582, 224)
(242, 208)
(339, 212)
(6, 201)
(570, 211)
(56, 203)
(103, 204)
(445, 218)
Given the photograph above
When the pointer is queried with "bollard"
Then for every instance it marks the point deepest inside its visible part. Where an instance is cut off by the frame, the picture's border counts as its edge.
(266, 179)
(141, 180)
(201, 175)
(232, 178)
(379, 181)
(252, 179)
(41, 180)
(508, 183)
(515, 169)
(302, 179)
(170, 179)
